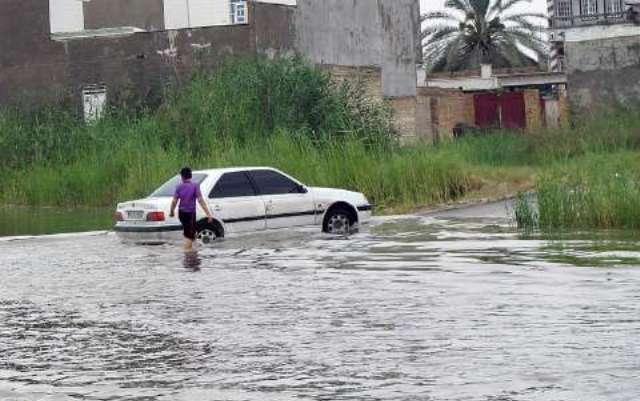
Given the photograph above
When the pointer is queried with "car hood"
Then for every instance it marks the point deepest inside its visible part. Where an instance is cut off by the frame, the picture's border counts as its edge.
(334, 195)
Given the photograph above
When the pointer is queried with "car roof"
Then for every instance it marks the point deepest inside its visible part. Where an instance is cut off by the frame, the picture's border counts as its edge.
(219, 171)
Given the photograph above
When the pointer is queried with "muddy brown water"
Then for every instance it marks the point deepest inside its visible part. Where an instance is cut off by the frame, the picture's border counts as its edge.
(451, 306)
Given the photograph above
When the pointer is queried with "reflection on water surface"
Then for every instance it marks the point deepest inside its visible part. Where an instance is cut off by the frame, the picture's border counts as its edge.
(18, 220)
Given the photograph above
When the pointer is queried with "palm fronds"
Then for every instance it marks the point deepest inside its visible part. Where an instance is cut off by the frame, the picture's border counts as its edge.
(471, 32)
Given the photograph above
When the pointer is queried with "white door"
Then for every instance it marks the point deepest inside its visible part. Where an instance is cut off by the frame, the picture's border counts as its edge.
(234, 201)
(287, 203)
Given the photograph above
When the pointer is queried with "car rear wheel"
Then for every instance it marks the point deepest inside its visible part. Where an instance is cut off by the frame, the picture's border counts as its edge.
(338, 221)
(207, 233)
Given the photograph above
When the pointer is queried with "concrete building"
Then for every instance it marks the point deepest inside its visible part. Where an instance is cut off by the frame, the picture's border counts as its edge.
(150, 15)
(133, 66)
(597, 44)
(128, 51)
(351, 37)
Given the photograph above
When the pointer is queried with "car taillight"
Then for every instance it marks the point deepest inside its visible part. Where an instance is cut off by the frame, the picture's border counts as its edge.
(155, 216)
(118, 216)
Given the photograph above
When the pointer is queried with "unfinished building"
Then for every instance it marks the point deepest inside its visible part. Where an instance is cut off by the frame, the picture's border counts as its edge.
(597, 44)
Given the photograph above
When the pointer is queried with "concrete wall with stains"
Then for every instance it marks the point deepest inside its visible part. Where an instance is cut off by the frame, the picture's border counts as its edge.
(381, 33)
(603, 72)
(400, 28)
(144, 14)
(138, 67)
(135, 68)
(273, 28)
(32, 67)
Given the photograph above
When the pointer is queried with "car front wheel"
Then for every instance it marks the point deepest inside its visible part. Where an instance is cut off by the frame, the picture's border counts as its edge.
(338, 221)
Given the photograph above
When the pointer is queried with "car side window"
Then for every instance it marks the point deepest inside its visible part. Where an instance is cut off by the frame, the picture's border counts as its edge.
(232, 185)
(169, 188)
(273, 183)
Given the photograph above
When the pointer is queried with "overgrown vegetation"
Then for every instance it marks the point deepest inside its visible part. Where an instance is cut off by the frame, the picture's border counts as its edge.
(597, 191)
(282, 113)
(588, 176)
(291, 116)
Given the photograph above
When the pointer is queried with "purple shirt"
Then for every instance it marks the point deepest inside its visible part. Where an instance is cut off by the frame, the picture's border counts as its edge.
(187, 192)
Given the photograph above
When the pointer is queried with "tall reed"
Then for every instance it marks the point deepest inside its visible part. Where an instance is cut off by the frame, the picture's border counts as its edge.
(598, 191)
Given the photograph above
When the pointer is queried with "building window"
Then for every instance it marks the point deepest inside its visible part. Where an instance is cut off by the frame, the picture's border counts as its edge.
(614, 6)
(563, 8)
(238, 12)
(589, 7)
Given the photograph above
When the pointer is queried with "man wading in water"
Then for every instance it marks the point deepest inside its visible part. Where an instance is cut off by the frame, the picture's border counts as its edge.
(187, 193)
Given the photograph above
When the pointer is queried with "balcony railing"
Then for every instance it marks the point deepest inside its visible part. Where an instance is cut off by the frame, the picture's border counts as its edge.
(617, 13)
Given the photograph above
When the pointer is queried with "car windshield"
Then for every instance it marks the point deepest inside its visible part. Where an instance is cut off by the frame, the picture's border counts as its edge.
(169, 188)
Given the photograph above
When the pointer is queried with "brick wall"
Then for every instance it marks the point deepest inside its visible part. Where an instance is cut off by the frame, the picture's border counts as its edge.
(425, 123)
(441, 110)
(565, 108)
(404, 116)
(369, 77)
(533, 109)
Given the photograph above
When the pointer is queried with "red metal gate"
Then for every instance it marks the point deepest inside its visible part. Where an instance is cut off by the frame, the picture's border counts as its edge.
(506, 110)
(486, 108)
(512, 110)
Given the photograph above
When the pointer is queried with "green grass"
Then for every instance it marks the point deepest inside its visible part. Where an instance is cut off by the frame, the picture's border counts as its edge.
(390, 178)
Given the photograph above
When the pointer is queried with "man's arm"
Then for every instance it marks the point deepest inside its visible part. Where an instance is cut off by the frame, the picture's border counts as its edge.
(205, 207)
(174, 203)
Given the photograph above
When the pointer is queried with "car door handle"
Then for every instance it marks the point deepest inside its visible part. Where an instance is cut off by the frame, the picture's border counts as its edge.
(217, 208)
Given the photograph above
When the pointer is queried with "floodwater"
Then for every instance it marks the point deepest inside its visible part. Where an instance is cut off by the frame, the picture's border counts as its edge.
(454, 306)
(17, 220)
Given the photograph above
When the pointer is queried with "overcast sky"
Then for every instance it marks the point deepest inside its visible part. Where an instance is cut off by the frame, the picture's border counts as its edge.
(539, 6)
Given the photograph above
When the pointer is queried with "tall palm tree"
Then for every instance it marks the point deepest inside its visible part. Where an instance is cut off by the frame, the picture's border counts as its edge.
(473, 32)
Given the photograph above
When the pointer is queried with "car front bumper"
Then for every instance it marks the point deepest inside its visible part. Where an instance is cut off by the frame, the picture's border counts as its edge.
(364, 213)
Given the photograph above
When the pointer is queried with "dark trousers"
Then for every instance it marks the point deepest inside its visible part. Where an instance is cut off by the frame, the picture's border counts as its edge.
(188, 220)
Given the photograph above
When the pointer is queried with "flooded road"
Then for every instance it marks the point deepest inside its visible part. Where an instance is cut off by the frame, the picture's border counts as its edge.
(19, 220)
(451, 306)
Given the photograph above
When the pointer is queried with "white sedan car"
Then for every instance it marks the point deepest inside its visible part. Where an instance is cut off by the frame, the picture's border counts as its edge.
(243, 200)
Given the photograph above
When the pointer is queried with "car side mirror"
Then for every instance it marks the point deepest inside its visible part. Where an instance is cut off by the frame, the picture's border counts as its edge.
(302, 189)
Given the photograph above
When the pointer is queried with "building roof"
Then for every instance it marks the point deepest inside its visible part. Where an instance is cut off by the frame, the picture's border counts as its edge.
(497, 81)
